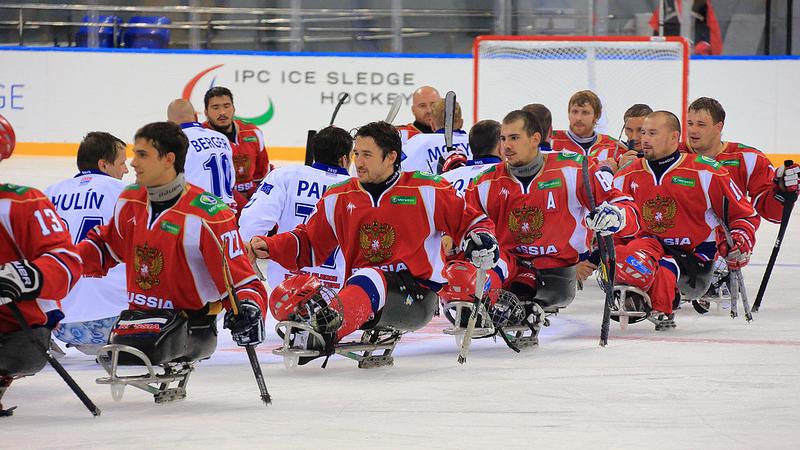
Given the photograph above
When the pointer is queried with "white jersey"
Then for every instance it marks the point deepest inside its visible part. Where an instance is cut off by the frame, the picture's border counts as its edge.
(83, 202)
(209, 161)
(287, 197)
(461, 176)
(422, 151)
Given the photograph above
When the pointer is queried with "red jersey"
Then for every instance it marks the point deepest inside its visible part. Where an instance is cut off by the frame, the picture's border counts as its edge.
(402, 231)
(172, 262)
(250, 159)
(604, 147)
(683, 207)
(545, 222)
(32, 230)
(753, 174)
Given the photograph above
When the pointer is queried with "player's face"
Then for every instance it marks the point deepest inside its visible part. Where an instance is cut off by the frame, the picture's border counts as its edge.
(657, 139)
(518, 148)
(220, 113)
(371, 166)
(581, 119)
(151, 168)
(633, 130)
(423, 105)
(117, 168)
(702, 132)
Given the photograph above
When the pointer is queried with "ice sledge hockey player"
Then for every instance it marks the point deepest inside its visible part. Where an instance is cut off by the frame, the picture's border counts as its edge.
(38, 267)
(389, 225)
(178, 243)
(584, 109)
(83, 202)
(681, 198)
(287, 197)
(542, 215)
(421, 107)
(484, 141)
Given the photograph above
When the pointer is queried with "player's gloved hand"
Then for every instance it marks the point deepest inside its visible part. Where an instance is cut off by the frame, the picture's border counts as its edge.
(19, 280)
(786, 178)
(453, 161)
(738, 255)
(247, 327)
(481, 250)
(606, 219)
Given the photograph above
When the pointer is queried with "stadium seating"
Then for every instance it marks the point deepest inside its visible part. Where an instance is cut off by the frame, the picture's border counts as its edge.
(105, 34)
(145, 37)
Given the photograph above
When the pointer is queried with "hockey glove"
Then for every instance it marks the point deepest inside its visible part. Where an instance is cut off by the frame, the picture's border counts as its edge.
(739, 255)
(247, 327)
(481, 250)
(786, 178)
(19, 280)
(453, 161)
(606, 219)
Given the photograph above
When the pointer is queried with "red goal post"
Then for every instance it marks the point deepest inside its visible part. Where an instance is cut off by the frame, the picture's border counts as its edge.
(512, 71)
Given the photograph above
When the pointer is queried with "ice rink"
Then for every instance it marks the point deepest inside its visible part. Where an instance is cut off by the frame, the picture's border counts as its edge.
(713, 382)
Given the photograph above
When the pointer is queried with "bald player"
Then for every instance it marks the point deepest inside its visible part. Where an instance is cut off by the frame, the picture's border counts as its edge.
(422, 108)
(209, 157)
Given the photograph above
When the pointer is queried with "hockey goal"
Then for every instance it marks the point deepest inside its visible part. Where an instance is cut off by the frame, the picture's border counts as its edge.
(512, 71)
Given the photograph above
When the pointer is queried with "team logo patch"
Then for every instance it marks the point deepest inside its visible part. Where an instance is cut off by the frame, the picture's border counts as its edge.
(681, 181)
(376, 241)
(250, 139)
(241, 164)
(403, 200)
(525, 223)
(210, 204)
(148, 263)
(170, 227)
(266, 188)
(658, 213)
(552, 184)
(730, 162)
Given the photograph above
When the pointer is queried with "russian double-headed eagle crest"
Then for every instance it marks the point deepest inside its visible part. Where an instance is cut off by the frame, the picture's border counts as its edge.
(525, 223)
(242, 165)
(148, 264)
(658, 213)
(376, 240)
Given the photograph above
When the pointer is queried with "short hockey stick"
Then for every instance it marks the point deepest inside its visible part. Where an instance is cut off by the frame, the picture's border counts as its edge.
(607, 259)
(234, 299)
(480, 281)
(342, 98)
(736, 279)
(394, 109)
(788, 204)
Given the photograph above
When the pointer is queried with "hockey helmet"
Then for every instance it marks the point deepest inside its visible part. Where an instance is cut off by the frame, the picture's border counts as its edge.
(288, 299)
(7, 139)
(460, 276)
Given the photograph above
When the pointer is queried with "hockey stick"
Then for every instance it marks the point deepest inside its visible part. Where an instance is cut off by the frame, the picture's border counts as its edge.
(480, 281)
(607, 259)
(54, 362)
(309, 150)
(736, 279)
(234, 299)
(788, 205)
(50, 359)
(342, 98)
(449, 117)
(394, 109)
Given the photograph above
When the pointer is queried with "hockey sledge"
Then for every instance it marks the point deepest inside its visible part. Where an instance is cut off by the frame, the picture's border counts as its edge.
(374, 349)
(159, 384)
(516, 336)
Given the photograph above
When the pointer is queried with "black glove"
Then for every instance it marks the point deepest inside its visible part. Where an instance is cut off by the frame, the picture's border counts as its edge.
(19, 280)
(247, 327)
(481, 250)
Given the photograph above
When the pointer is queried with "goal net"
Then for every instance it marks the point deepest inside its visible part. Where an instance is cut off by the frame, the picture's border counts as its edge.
(513, 71)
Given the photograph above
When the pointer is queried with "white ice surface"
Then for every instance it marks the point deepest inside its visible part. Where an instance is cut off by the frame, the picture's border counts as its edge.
(713, 382)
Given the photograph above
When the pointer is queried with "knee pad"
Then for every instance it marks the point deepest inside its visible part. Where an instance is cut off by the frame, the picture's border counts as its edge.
(19, 356)
(161, 334)
(409, 306)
